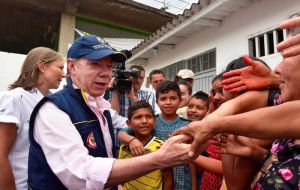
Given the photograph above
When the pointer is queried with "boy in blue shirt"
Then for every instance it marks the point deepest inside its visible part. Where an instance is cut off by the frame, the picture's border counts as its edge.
(168, 98)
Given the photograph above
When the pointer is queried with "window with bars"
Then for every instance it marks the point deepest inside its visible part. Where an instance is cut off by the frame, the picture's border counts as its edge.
(265, 44)
(201, 62)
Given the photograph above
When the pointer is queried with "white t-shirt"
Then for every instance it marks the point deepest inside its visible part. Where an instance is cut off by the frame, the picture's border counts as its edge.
(16, 107)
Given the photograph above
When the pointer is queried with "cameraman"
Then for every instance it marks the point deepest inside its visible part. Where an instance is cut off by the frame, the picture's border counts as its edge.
(121, 101)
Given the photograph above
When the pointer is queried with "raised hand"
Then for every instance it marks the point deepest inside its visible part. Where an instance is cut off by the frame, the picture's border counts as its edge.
(136, 147)
(291, 46)
(254, 77)
(131, 95)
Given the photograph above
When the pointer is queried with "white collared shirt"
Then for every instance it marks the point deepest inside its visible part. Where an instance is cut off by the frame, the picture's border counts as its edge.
(15, 107)
(65, 152)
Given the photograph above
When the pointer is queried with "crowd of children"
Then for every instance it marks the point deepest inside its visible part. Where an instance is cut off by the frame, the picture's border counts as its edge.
(170, 97)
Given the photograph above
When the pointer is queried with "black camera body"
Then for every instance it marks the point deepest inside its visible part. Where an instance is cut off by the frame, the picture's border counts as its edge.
(122, 82)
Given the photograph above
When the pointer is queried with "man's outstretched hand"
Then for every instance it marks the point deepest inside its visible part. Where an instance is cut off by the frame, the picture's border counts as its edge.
(173, 152)
(200, 132)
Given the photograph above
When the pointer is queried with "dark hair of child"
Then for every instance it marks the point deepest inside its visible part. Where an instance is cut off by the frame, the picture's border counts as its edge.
(218, 77)
(239, 63)
(167, 86)
(187, 84)
(139, 105)
(200, 95)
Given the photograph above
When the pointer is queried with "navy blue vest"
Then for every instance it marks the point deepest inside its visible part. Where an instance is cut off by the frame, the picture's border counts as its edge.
(69, 100)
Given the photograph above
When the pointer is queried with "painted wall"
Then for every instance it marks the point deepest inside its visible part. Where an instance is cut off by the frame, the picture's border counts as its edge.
(10, 68)
(231, 38)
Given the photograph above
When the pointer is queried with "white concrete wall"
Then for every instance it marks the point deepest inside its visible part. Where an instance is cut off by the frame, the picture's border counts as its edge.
(10, 68)
(231, 38)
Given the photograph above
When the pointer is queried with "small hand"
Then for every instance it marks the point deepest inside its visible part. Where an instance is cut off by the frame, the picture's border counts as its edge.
(234, 145)
(111, 82)
(131, 95)
(136, 147)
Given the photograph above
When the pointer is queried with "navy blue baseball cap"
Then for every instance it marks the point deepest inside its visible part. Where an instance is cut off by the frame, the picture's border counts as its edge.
(94, 48)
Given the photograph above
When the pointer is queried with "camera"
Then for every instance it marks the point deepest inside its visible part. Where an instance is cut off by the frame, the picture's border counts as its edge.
(122, 82)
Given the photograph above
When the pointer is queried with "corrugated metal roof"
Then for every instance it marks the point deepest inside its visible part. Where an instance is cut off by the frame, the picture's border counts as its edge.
(201, 15)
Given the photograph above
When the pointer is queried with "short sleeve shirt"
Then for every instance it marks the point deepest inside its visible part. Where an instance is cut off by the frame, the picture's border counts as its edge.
(163, 129)
(16, 107)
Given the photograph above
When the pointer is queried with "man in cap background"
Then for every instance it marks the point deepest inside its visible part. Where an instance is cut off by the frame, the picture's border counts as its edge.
(72, 131)
(187, 75)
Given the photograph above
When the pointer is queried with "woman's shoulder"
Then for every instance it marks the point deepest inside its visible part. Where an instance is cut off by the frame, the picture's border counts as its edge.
(16, 95)
(12, 94)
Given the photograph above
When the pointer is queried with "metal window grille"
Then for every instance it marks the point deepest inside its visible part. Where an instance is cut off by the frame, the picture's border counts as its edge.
(265, 44)
(199, 63)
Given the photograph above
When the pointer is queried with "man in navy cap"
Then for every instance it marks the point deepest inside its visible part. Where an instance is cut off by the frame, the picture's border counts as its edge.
(72, 131)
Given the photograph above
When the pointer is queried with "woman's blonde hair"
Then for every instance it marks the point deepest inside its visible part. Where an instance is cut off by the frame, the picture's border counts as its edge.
(30, 71)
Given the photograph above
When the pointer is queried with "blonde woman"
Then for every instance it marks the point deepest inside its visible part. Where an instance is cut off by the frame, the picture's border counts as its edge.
(41, 71)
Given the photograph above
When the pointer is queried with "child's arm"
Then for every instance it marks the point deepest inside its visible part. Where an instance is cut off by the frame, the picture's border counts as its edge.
(135, 146)
(240, 160)
(193, 172)
(168, 180)
(209, 164)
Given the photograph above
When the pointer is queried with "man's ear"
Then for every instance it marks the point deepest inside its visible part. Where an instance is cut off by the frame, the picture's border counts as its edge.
(70, 65)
